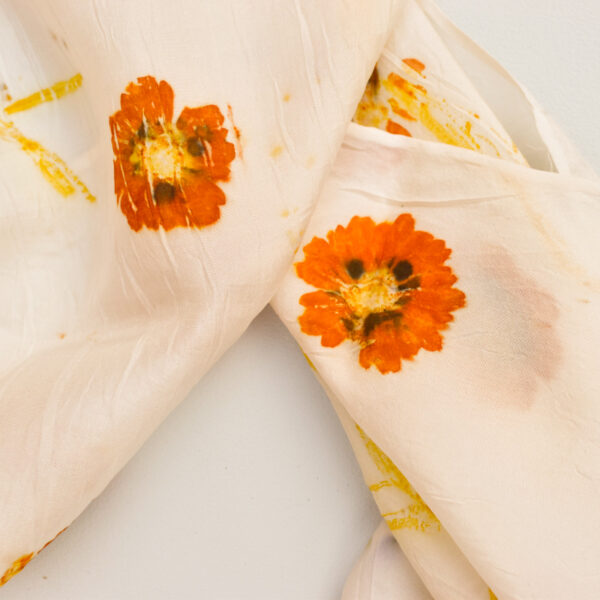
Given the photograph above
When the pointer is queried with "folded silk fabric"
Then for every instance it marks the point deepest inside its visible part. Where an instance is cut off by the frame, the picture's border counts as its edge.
(159, 161)
(431, 98)
(436, 291)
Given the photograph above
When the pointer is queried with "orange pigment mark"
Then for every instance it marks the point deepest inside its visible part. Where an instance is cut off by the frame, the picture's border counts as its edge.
(53, 168)
(392, 127)
(62, 336)
(236, 133)
(396, 108)
(166, 170)
(415, 64)
(16, 567)
(382, 286)
(412, 101)
(54, 92)
(286, 97)
(22, 562)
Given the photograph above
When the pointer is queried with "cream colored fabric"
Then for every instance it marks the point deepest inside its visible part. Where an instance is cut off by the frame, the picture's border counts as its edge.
(383, 572)
(105, 329)
(480, 446)
(444, 106)
(503, 416)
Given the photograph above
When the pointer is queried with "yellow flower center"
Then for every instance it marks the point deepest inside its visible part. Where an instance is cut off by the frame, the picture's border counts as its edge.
(376, 291)
(163, 158)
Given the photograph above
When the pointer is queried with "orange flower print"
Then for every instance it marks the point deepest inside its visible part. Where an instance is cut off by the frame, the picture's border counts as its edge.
(384, 287)
(166, 173)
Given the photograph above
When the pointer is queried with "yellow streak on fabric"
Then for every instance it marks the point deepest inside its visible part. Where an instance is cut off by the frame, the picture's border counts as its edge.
(310, 362)
(417, 515)
(53, 168)
(54, 92)
(492, 595)
(413, 102)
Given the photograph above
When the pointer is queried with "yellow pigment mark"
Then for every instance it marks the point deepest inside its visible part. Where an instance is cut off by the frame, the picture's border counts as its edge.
(53, 168)
(371, 112)
(286, 97)
(492, 595)
(294, 238)
(4, 91)
(310, 363)
(276, 151)
(410, 100)
(310, 162)
(285, 213)
(54, 92)
(417, 515)
(400, 111)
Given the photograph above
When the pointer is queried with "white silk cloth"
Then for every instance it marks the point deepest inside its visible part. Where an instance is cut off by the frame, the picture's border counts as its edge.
(467, 384)
(105, 329)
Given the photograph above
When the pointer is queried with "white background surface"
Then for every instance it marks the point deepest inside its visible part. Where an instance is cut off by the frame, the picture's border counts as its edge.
(249, 490)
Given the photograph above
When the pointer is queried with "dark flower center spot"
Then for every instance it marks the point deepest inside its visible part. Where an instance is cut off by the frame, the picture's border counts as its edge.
(412, 284)
(377, 318)
(348, 324)
(164, 192)
(355, 268)
(141, 132)
(403, 270)
(195, 147)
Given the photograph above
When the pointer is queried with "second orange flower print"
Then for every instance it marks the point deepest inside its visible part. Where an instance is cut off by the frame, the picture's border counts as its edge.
(166, 173)
(383, 286)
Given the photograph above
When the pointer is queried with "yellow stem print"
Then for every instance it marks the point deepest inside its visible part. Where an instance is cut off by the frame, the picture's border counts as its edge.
(52, 167)
(417, 515)
(54, 92)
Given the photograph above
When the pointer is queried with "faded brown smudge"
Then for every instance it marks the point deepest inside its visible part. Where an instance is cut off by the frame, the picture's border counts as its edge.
(529, 350)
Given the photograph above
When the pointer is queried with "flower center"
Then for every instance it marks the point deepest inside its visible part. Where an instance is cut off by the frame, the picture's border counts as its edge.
(162, 158)
(377, 296)
(375, 292)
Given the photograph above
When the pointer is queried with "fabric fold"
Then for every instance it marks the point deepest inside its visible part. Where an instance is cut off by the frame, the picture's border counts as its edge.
(193, 127)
